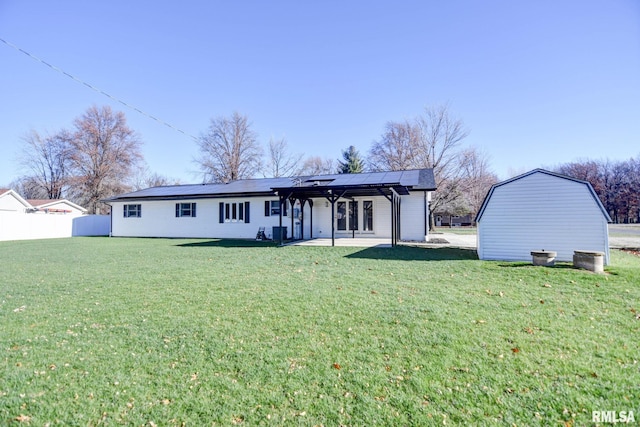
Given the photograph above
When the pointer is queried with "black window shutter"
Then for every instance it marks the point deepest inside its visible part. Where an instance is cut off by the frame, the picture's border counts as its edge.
(139, 211)
(125, 211)
(267, 208)
(246, 212)
(177, 210)
(221, 220)
(284, 207)
(193, 209)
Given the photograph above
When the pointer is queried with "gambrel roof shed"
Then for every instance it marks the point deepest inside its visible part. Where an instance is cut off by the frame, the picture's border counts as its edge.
(541, 210)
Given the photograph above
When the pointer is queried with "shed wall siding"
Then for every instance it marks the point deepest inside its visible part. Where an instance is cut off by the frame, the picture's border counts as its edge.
(538, 212)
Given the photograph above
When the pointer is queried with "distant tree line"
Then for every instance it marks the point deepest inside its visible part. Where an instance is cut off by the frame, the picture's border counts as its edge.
(229, 150)
(100, 156)
(617, 184)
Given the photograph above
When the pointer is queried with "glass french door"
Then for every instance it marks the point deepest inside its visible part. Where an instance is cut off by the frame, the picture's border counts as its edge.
(347, 215)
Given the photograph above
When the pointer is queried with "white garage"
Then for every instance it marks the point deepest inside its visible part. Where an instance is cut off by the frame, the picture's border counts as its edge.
(541, 210)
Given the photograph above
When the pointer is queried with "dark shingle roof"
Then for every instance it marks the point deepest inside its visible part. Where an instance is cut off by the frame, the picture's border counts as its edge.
(417, 179)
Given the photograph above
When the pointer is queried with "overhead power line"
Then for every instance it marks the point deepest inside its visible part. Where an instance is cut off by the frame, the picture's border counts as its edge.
(90, 86)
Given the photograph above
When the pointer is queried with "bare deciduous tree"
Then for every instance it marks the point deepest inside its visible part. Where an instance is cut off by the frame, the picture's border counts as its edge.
(47, 158)
(144, 178)
(281, 162)
(104, 153)
(229, 150)
(430, 141)
(316, 165)
(397, 149)
(477, 178)
(29, 188)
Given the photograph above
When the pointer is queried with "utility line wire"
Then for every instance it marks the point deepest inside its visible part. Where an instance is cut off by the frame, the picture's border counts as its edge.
(78, 80)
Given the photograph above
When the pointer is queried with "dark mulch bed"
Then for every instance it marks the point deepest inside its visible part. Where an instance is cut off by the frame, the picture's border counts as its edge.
(635, 252)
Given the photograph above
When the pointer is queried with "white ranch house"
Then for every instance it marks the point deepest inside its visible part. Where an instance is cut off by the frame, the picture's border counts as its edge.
(393, 205)
(541, 210)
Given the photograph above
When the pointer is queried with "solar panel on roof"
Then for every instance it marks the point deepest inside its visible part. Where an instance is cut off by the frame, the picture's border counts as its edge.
(417, 179)
(374, 179)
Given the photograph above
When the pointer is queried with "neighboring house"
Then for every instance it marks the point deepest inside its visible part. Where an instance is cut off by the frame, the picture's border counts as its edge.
(59, 206)
(390, 205)
(11, 202)
(22, 219)
(446, 220)
(541, 210)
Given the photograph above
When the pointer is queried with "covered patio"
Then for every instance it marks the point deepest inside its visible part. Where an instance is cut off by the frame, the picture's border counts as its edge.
(331, 188)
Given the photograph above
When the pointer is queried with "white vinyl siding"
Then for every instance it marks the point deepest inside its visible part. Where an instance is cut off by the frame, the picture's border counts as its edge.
(541, 212)
(412, 217)
(159, 218)
(412, 214)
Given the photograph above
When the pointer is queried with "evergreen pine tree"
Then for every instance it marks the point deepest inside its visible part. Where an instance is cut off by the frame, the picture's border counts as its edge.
(352, 163)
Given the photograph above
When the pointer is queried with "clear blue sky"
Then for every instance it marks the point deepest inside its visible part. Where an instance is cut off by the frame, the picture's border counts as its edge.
(538, 83)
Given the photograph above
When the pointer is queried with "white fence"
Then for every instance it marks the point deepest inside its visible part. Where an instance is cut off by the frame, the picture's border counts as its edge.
(91, 225)
(20, 226)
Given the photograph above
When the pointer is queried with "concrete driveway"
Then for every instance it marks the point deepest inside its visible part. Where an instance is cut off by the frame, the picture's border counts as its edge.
(620, 237)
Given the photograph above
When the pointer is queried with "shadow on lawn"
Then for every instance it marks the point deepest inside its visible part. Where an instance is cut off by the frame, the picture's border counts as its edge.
(410, 253)
(230, 243)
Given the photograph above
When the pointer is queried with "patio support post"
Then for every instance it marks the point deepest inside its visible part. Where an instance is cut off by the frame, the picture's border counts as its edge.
(302, 203)
(353, 211)
(333, 222)
(280, 224)
(395, 217)
(393, 220)
(333, 198)
(310, 219)
(292, 202)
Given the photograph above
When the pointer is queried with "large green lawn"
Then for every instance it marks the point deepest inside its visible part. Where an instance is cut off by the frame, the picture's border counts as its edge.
(99, 331)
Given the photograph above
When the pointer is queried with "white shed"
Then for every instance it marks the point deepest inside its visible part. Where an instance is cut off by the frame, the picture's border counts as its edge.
(541, 210)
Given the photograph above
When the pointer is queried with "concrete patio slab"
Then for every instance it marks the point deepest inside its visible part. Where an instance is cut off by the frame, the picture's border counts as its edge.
(361, 242)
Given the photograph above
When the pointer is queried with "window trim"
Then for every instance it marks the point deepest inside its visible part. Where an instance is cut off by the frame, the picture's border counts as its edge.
(133, 213)
(186, 210)
(233, 212)
(274, 210)
(365, 217)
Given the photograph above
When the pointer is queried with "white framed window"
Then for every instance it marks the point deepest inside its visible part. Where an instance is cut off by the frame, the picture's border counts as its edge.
(347, 215)
(272, 208)
(367, 215)
(185, 209)
(132, 211)
(234, 212)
